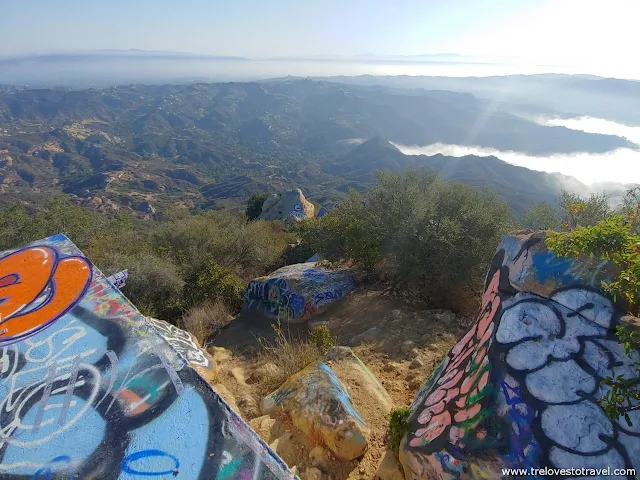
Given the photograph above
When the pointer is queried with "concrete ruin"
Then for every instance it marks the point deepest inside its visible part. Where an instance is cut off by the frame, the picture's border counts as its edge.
(295, 293)
(89, 389)
(520, 390)
(288, 206)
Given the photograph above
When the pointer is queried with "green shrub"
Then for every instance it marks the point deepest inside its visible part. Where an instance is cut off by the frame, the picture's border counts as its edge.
(581, 211)
(398, 426)
(210, 282)
(610, 239)
(155, 284)
(346, 232)
(322, 339)
(433, 239)
(249, 248)
(254, 205)
(541, 216)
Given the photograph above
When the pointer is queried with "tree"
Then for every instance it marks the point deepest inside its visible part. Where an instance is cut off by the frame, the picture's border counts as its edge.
(431, 238)
(581, 211)
(541, 216)
(254, 205)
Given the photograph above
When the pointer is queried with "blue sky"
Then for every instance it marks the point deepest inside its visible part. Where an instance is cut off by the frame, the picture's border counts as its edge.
(542, 30)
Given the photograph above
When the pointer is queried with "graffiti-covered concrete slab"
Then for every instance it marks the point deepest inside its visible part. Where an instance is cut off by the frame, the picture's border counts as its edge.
(88, 389)
(319, 405)
(290, 205)
(520, 389)
(297, 292)
(188, 346)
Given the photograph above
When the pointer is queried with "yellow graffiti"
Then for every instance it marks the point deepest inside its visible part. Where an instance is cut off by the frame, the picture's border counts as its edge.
(477, 473)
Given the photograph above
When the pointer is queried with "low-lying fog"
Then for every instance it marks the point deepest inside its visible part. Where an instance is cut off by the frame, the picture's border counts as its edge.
(618, 166)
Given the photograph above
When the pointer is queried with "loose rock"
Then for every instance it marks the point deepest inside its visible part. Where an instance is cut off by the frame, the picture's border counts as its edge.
(388, 468)
(238, 374)
(263, 372)
(226, 395)
(286, 448)
(313, 473)
(372, 335)
(319, 457)
(416, 363)
(407, 346)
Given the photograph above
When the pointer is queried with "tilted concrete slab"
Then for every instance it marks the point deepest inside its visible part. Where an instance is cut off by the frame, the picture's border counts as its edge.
(521, 388)
(89, 389)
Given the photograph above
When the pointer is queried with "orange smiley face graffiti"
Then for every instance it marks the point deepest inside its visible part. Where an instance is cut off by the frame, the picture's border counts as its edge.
(37, 288)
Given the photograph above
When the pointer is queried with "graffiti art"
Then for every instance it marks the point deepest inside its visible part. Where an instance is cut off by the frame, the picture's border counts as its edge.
(296, 292)
(521, 388)
(88, 389)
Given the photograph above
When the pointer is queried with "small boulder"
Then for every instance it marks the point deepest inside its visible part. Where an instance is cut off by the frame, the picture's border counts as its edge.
(220, 355)
(313, 473)
(286, 448)
(226, 395)
(388, 468)
(248, 405)
(288, 206)
(335, 354)
(407, 346)
(355, 374)
(416, 363)
(238, 374)
(320, 406)
(414, 384)
(263, 372)
(320, 457)
(390, 367)
(372, 335)
(267, 427)
(296, 293)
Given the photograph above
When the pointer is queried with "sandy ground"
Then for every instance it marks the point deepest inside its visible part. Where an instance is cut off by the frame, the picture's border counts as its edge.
(399, 365)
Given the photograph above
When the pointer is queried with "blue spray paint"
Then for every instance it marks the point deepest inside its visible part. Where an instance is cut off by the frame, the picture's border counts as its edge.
(146, 454)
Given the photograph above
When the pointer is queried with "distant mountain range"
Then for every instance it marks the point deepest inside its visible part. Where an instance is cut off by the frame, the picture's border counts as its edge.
(212, 145)
(564, 95)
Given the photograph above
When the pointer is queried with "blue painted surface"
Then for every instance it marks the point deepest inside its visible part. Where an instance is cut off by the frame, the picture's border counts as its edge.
(98, 393)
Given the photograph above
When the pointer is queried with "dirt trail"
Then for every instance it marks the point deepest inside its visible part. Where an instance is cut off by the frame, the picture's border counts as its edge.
(401, 355)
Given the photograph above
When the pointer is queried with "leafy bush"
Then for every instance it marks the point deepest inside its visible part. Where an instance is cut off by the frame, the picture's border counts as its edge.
(249, 248)
(211, 282)
(345, 233)
(173, 266)
(610, 239)
(434, 239)
(322, 339)
(541, 216)
(398, 426)
(583, 211)
(254, 205)
(155, 284)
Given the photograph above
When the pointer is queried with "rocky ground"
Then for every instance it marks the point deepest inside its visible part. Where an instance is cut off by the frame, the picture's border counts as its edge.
(400, 347)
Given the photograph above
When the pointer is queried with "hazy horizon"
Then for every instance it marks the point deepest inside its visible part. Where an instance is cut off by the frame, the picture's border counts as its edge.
(579, 36)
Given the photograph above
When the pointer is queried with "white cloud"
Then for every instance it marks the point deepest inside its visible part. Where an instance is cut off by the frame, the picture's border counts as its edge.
(619, 166)
(594, 125)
